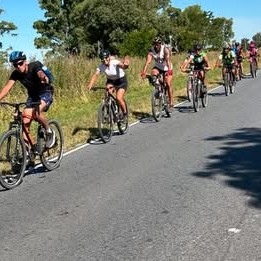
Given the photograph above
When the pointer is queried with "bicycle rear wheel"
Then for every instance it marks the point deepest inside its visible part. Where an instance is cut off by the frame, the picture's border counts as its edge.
(253, 69)
(123, 123)
(12, 159)
(105, 124)
(51, 157)
(204, 99)
(156, 104)
(189, 91)
(195, 97)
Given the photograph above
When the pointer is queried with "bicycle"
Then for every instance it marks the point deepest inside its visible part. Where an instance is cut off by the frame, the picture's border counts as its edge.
(159, 97)
(197, 89)
(15, 155)
(229, 81)
(109, 114)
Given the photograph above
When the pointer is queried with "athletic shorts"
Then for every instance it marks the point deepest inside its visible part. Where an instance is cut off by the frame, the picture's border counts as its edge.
(47, 97)
(120, 83)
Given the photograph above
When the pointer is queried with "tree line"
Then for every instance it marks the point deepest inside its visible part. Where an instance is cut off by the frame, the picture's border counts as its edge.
(125, 27)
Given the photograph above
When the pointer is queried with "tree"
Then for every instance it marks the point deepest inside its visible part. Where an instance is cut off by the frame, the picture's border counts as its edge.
(257, 39)
(5, 28)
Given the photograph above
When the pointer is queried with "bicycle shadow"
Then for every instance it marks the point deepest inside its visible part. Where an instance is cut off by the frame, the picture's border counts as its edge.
(238, 160)
(185, 109)
(143, 117)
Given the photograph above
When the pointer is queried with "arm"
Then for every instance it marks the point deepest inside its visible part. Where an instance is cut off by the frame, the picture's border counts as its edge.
(6, 88)
(145, 67)
(43, 77)
(208, 67)
(93, 79)
(185, 64)
(125, 63)
(167, 58)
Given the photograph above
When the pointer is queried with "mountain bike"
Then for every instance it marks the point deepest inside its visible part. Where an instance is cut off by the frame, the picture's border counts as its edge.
(110, 114)
(16, 154)
(253, 66)
(159, 96)
(197, 89)
(229, 81)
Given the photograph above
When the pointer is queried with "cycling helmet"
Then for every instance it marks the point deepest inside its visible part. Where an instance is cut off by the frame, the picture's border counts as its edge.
(226, 45)
(104, 54)
(197, 47)
(157, 40)
(17, 56)
(237, 44)
(252, 45)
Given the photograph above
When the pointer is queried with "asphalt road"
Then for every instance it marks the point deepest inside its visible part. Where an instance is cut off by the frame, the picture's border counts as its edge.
(187, 188)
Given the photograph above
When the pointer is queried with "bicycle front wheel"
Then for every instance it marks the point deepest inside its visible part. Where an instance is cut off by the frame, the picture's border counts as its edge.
(105, 125)
(156, 104)
(123, 123)
(195, 97)
(12, 159)
(226, 84)
(51, 157)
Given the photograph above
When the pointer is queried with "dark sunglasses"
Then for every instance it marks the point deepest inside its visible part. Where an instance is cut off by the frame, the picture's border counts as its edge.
(18, 64)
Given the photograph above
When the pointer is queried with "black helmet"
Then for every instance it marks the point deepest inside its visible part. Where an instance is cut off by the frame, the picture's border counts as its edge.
(16, 56)
(157, 40)
(197, 47)
(104, 54)
(237, 44)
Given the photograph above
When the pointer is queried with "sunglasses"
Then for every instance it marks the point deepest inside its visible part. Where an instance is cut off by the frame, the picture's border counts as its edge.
(18, 64)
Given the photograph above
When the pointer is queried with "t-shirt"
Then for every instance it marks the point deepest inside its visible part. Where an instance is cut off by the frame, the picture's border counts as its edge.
(227, 59)
(30, 80)
(113, 71)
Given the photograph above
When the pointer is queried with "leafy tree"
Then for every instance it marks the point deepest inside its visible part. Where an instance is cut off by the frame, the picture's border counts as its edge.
(257, 39)
(5, 28)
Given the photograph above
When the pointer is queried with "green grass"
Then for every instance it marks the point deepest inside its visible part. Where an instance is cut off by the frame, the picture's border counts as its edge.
(76, 108)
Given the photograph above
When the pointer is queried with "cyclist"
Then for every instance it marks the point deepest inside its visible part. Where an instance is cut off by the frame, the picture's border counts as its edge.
(228, 59)
(33, 78)
(252, 52)
(239, 56)
(161, 55)
(116, 77)
(201, 63)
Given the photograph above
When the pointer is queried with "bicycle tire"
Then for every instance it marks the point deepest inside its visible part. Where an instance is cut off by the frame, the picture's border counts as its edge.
(156, 104)
(12, 159)
(51, 157)
(226, 83)
(166, 104)
(195, 96)
(105, 122)
(123, 126)
(189, 90)
(231, 83)
(204, 99)
(253, 69)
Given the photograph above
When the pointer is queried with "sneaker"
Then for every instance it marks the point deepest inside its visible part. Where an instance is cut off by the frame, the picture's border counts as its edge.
(50, 139)
(204, 89)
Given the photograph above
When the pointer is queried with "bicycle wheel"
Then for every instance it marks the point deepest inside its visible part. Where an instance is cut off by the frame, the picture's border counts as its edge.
(204, 99)
(156, 104)
(226, 83)
(51, 157)
(189, 91)
(231, 83)
(195, 96)
(166, 104)
(253, 69)
(123, 125)
(12, 159)
(105, 124)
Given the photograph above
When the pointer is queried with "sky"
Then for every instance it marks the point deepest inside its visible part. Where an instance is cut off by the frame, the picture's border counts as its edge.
(23, 13)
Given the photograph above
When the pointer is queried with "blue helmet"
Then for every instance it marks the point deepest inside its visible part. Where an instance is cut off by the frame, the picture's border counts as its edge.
(17, 56)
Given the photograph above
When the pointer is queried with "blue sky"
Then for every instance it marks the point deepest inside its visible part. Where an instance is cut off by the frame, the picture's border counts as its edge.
(246, 19)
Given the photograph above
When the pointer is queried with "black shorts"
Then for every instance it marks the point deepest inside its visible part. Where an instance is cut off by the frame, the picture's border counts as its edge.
(120, 83)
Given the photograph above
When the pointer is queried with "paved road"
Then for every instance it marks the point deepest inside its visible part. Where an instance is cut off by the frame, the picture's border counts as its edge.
(187, 188)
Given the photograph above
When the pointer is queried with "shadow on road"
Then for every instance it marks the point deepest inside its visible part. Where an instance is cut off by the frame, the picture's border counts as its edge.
(238, 159)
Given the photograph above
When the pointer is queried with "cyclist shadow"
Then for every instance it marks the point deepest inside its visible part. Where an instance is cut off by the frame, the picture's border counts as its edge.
(185, 109)
(93, 134)
(143, 117)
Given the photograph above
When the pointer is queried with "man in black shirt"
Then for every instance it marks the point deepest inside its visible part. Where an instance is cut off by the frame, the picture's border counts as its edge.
(33, 78)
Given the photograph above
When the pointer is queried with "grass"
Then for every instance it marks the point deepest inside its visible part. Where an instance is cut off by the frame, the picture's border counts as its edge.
(76, 108)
